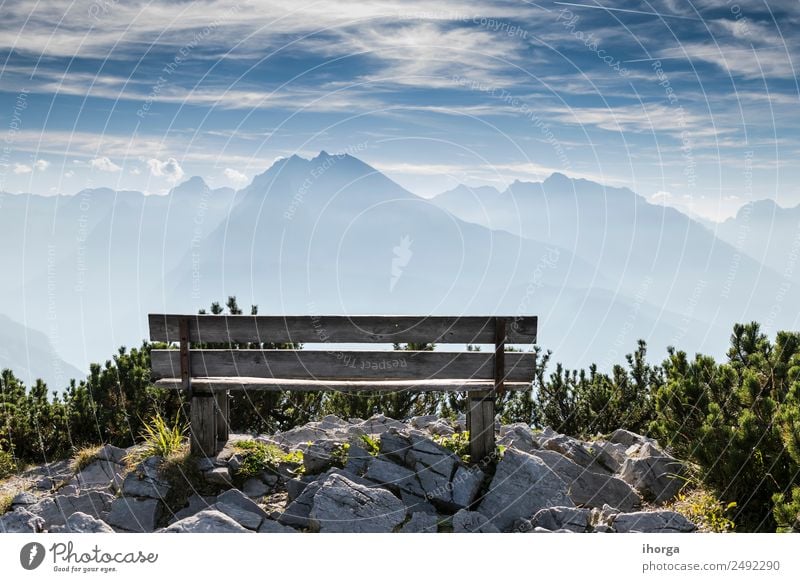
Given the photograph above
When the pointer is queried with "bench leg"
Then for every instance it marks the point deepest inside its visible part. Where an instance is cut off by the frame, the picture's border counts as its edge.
(203, 425)
(223, 415)
(480, 418)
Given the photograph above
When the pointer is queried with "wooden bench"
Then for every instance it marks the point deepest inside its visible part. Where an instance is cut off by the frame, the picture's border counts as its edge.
(207, 375)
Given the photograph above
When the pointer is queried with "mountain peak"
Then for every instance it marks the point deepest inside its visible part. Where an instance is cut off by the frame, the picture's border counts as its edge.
(194, 186)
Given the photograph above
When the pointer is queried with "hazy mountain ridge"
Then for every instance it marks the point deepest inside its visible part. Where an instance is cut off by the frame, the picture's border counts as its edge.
(601, 266)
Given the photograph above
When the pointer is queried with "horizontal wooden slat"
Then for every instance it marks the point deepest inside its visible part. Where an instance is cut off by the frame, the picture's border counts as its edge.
(335, 365)
(276, 385)
(341, 329)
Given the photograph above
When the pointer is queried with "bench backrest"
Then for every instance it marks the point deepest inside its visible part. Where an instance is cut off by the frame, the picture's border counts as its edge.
(334, 364)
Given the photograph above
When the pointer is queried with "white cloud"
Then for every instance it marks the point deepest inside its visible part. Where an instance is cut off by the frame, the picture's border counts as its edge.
(236, 178)
(22, 169)
(169, 169)
(104, 165)
(135, 171)
(69, 174)
(41, 165)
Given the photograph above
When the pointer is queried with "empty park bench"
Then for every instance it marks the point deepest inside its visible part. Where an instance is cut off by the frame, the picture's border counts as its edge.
(208, 375)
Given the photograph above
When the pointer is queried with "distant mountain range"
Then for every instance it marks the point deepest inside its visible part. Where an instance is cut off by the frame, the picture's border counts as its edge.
(601, 266)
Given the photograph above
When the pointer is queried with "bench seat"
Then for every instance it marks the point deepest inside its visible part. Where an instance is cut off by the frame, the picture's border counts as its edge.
(280, 384)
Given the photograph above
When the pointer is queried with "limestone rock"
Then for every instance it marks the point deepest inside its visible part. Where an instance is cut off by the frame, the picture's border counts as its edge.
(379, 424)
(518, 436)
(23, 498)
(443, 479)
(522, 485)
(55, 510)
(652, 522)
(194, 504)
(255, 488)
(318, 456)
(588, 488)
(146, 480)
(654, 473)
(421, 522)
(562, 518)
(247, 519)
(341, 505)
(271, 526)
(220, 476)
(80, 522)
(135, 515)
(21, 521)
(112, 454)
(207, 521)
(100, 474)
(472, 522)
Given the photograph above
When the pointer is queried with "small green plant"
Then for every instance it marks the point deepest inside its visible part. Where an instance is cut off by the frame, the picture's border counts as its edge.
(160, 438)
(7, 464)
(787, 511)
(371, 444)
(702, 507)
(185, 479)
(339, 454)
(84, 457)
(5, 503)
(258, 457)
(457, 443)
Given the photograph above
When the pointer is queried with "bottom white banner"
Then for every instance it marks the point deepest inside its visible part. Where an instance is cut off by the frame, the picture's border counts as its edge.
(371, 557)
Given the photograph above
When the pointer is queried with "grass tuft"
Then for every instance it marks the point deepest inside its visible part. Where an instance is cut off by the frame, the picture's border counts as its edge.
(84, 457)
(160, 439)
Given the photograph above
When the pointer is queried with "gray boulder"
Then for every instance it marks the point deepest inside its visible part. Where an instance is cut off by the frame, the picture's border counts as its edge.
(271, 526)
(80, 522)
(319, 456)
(247, 519)
(134, 515)
(522, 485)
(443, 479)
(146, 480)
(583, 454)
(194, 504)
(421, 522)
(358, 459)
(21, 521)
(573, 519)
(518, 436)
(654, 473)
(206, 521)
(55, 510)
(299, 435)
(23, 498)
(588, 488)
(627, 438)
(219, 476)
(472, 522)
(255, 488)
(379, 424)
(100, 474)
(112, 454)
(652, 522)
(341, 505)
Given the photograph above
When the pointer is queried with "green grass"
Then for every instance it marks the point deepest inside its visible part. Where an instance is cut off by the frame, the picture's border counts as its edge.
(457, 443)
(180, 470)
(5, 503)
(160, 438)
(258, 457)
(702, 507)
(84, 457)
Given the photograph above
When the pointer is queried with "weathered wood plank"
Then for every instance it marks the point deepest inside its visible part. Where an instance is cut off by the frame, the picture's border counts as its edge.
(500, 332)
(336, 365)
(481, 425)
(341, 329)
(203, 425)
(204, 385)
(222, 405)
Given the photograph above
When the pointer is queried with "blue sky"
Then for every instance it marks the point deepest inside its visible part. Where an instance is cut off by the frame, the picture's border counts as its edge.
(694, 104)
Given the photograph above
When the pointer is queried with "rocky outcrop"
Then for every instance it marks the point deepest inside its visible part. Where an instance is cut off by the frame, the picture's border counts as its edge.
(400, 478)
